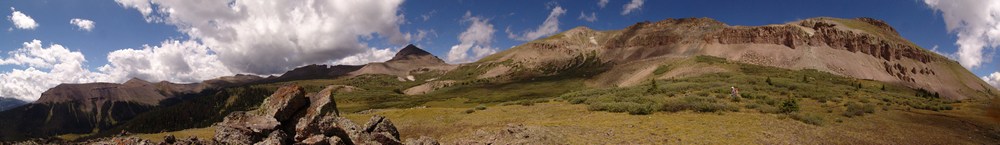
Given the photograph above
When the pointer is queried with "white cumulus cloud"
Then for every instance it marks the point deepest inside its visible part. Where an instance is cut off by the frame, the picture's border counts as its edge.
(993, 79)
(83, 24)
(977, 24)
(46, 67)
(270, 37)
(173, 60)
(635, 5)
(478, 39)
(591, 18)
(602, 3)
(549, 27)
(21, 20)
(372, 55)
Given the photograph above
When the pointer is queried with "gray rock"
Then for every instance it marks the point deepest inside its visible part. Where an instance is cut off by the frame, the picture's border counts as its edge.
(283, 104)
(243, 128)
(275, 138)
(315, 140)
(320, 104)
(336, 141)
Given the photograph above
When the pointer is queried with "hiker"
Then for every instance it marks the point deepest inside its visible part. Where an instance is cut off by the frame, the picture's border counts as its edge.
(734, 92)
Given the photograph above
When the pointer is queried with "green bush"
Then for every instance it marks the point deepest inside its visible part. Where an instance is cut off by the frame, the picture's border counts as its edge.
(694, 103)
(630, 107)
(481, 107)
(789, 106)
(580, 100)
(858, 109)
(808, 118)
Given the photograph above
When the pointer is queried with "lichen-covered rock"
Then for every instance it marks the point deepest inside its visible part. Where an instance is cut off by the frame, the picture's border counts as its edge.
(381, 130)
(320, 104)
(315, 140)
(309, 121)
(283, 104)
(169, 139)
(244, 128)
(379, 124)
(251, 127)
(336, 141)
(275, 138)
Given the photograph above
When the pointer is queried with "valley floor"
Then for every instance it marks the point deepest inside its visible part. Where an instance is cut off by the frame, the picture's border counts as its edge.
(564, 123)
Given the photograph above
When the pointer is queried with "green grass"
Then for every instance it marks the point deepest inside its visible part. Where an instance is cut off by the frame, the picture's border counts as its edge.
(471, 93)
(710, 92)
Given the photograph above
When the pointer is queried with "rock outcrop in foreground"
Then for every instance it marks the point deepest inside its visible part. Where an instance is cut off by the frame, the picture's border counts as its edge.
(289, 116)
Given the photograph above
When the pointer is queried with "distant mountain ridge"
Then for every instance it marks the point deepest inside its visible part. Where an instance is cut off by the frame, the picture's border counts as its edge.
(84, 108)
(862, 48)
(96, 106)
(7, 103)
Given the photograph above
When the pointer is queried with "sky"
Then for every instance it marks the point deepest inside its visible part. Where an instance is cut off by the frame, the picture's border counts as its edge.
(44, 43)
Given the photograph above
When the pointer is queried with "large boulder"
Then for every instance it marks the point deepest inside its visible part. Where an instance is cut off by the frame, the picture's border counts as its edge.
(243, 128)
(276, 137)
(288, 116)
(320, 104)
(251, 127)
(284, 103)
(316, 140)
(382, 130)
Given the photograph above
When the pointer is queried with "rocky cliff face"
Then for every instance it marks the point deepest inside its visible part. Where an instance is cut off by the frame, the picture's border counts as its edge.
(862, 48)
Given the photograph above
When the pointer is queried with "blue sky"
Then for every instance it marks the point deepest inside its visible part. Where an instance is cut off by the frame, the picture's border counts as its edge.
(191, 40)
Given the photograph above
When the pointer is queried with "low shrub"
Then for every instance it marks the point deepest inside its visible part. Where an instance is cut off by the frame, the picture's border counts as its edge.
(699, 104)
(789, 106)
(808, 118)
(858, 109)
(630, 107)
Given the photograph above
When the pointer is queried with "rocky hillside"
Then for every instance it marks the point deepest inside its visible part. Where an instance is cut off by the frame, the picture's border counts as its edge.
(862, 48)
(89, 108)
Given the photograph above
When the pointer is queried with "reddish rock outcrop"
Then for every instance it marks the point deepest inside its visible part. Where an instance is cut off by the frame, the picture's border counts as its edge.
(826, 34)
(781, 35)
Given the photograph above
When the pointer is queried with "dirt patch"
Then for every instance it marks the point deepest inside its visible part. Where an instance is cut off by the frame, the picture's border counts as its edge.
(428, 87)
(495, 71)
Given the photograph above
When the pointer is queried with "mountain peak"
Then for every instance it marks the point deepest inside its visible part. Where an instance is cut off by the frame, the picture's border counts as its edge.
(411, 52)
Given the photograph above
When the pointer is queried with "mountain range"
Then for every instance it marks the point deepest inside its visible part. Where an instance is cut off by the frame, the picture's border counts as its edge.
(866, 51)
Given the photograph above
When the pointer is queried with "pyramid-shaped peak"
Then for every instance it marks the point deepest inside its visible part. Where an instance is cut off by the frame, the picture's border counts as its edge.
(136, 82)
(408, 52)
